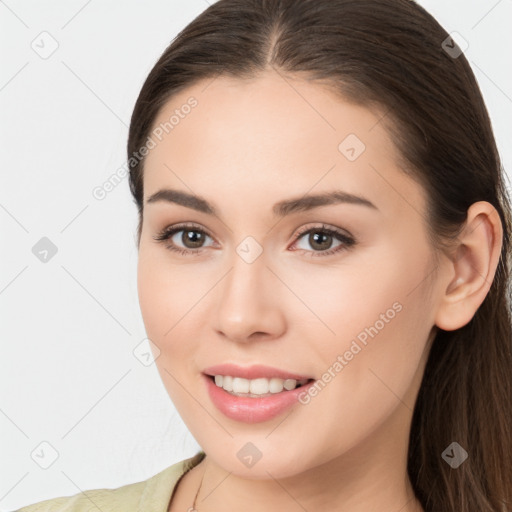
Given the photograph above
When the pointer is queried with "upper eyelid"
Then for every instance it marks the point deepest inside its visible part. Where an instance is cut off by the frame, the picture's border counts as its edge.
(172, 229)
(324, 227)
(169, 231)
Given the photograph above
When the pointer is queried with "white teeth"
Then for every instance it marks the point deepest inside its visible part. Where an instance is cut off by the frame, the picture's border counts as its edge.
(289, 384)
(260, 386)
(276, 385)
(240, 385)
(226, 382)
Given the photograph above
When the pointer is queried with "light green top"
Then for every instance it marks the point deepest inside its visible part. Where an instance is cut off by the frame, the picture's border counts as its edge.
(151, 495)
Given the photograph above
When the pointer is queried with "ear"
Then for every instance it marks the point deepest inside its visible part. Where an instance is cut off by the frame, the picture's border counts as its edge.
(473, 267)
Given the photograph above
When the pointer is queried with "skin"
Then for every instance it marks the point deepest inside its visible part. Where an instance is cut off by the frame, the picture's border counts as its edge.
(247, 145)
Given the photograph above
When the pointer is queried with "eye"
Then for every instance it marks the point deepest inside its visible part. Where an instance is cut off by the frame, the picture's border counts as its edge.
(321, 239)
(192, 237)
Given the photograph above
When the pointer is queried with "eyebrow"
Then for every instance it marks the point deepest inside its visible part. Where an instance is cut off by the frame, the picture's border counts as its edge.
(280, 209)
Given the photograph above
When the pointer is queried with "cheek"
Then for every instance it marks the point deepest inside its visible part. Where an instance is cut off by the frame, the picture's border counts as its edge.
(343, 301)
(370, 367)
(166, 292)
(386, 337)
(170, 300)
(375, 315)
(160, 307)
(151, 294)
(161, 312)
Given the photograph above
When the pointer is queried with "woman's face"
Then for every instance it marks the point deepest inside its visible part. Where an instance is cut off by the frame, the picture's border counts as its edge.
(264, 283)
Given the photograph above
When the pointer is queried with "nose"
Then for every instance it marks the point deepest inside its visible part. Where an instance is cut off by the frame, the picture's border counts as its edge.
(250, 303)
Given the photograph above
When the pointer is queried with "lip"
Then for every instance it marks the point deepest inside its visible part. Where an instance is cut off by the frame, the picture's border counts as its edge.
(250, 409)
(252, 372)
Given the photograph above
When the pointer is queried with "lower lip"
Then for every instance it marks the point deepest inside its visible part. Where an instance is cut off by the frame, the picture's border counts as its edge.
(252, 410)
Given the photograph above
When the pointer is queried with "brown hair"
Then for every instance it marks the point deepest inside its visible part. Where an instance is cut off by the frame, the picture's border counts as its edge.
(391, 54)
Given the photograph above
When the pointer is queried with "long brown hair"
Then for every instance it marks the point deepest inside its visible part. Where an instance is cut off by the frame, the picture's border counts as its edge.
(393, 54)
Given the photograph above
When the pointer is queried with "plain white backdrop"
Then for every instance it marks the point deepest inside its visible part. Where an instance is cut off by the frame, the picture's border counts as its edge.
(79, 407)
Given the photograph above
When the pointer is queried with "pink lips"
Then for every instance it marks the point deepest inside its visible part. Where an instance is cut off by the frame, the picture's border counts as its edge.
(249, 409)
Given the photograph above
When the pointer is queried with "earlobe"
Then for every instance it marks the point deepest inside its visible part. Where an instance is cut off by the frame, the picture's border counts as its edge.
(473, 268)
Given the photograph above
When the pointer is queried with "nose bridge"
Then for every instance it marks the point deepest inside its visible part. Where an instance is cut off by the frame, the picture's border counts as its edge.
(245, 284)
(247, 301)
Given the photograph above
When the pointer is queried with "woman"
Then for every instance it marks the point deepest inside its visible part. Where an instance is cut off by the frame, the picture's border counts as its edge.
(324, 258)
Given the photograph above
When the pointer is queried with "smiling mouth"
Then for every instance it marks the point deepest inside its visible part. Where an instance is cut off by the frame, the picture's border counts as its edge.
(256, 388)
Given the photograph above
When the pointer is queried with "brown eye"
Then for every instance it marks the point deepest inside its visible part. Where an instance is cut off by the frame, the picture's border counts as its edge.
(190, 242)
(321, 238)
(192, 238)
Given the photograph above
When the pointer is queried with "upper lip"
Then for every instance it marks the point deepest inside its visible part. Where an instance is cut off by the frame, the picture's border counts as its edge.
(253, 372)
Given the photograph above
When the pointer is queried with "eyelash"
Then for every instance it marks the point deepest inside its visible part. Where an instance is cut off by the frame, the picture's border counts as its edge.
(169, 232)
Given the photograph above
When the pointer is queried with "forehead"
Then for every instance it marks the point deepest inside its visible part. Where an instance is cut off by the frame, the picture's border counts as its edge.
(272, 109)
(270, 134)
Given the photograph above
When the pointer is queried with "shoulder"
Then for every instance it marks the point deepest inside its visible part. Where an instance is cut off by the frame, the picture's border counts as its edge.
(155, 492)
(126, 497)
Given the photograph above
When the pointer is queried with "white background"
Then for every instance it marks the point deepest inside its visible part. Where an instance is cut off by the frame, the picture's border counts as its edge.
(69, 326)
